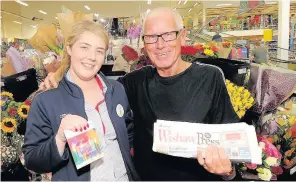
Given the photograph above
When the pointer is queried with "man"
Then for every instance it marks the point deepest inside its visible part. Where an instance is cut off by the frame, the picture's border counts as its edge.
(217, 37)
(259, 54)
(174, 90)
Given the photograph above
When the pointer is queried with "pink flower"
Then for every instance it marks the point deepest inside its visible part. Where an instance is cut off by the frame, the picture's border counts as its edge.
(269, 149)
(277, 170)
(251, 166)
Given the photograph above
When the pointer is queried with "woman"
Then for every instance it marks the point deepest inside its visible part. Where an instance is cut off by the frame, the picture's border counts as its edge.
(82, 96)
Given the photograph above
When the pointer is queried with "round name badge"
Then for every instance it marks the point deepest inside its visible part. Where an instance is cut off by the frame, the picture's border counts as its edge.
(119, 110)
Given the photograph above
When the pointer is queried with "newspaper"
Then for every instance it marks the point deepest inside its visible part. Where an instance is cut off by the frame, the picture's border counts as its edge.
(183, 139)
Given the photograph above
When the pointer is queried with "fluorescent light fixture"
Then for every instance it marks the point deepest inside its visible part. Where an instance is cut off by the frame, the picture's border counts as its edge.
(56, 18)
(102, 20)
(86, 7)
(189, 9)
(175, 8)
(195, 4)
(220, 5)
(185, 1)
(179, 2)
(148, 10)
(96, 14)
(34, 26)
(148, 1)
(43, 12)
(199, 13)
(270, 2)
(17, 22)
(21, 2)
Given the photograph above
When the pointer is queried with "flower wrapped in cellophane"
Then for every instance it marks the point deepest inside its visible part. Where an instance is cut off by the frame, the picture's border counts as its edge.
(270, 168)
(240, 97)
(13, 114)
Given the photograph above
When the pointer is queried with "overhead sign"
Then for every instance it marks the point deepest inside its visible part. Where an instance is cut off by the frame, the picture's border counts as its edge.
(249, 4)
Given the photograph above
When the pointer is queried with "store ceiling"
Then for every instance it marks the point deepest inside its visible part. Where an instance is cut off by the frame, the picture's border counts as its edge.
(103, 8)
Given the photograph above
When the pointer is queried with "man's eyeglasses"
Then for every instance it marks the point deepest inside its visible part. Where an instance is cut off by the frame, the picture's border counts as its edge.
(167, 36)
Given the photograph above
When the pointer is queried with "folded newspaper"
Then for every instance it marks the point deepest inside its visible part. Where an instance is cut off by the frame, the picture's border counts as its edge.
(183, 139)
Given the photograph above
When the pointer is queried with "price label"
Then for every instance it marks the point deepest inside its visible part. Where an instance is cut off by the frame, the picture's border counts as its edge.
(242, 71)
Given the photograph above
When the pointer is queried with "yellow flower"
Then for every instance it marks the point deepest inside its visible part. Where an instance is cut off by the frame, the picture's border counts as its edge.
(264, 174)
(8, 125)
(248, 105)
(246, 94)
(292, 120)
(240, 89)
(293, 144)
(241, 113)
(8, 94)
(271, 161)
(281, 122)
(288, 135)
(206, 47)
(209, 52)
(23, 111)
(1, 103)
(251, 100)
(235, 108)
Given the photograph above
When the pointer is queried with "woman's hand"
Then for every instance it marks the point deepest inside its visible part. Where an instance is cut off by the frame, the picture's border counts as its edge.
(71, 122)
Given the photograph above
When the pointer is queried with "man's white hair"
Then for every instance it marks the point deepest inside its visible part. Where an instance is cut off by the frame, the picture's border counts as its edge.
(163, 11)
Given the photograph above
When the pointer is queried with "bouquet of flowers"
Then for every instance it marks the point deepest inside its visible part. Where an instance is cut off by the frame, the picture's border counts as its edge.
(200, 50)
(240, 97)
(226, 44)
(282, 133)
(270, 167)
(12, 115)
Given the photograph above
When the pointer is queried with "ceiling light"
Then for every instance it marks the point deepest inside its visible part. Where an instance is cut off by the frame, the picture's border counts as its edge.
(195, 4)
(17, 22)
(220, 5)
(270, 2)
(185, 2)
(21, 2)
(179, 2)
(148, 1)
(102, 20)
(189, 9)
(96, 14)
(86, 7)
(56, 18)
(43, 12)
(34, 26)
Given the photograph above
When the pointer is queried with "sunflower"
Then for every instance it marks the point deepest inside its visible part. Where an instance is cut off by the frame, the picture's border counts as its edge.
(8, 125)
(23, 111)
(8, 94)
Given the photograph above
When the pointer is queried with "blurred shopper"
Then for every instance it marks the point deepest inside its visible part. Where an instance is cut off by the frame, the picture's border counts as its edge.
(259, 53)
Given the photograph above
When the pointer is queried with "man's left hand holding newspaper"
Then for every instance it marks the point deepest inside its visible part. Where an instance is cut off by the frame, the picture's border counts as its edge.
(216, 162)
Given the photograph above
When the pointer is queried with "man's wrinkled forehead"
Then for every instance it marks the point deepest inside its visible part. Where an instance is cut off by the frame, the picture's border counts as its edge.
(160, 23)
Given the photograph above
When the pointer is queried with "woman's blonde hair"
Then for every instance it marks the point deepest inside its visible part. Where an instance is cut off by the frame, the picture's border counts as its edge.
(77, 30)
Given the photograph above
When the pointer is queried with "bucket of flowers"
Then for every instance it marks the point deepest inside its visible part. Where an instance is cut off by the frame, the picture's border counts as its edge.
(13, 114)
(270, 167)
(240, 97)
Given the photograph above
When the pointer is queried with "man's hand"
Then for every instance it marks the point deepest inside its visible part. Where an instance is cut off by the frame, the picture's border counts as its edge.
(48, 83)
(215, 161)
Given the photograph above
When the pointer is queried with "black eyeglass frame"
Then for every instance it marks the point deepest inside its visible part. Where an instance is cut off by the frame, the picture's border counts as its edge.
(160, 35)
